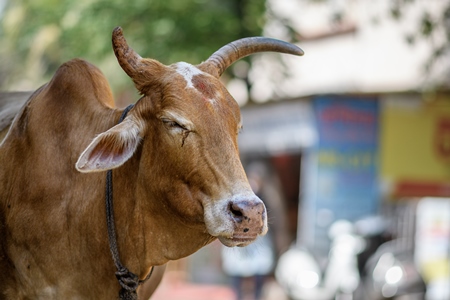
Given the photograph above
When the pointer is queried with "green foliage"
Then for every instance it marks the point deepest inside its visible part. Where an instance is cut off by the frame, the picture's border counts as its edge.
(38, 35)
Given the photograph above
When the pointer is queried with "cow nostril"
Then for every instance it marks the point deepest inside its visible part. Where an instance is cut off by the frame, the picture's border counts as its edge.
(250, 212)
(235, 210)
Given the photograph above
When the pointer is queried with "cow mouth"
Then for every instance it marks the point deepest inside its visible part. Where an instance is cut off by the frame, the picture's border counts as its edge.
(236, 222)
(237, 241)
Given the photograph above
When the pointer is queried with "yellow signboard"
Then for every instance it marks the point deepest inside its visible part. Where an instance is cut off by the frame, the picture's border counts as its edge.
(415, 145)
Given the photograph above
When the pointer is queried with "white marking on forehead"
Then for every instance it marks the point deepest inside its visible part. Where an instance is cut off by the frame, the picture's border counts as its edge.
(188, 71)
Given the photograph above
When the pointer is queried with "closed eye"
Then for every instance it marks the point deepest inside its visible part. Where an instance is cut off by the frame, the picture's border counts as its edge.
(172, 124)
(177, 128)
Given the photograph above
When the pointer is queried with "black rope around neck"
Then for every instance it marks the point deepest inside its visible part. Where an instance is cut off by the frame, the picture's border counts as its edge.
(127, 280)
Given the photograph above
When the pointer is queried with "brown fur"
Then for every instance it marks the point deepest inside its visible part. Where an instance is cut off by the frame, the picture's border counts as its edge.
(54, 242)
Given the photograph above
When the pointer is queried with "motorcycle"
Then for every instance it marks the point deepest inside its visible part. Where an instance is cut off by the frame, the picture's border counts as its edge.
(363, 264)
(299, 272)
(392, 274)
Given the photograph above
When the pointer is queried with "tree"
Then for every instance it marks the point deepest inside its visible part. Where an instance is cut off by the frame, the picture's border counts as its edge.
(38, 35)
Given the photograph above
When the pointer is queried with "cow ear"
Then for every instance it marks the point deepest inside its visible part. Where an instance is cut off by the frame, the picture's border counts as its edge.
(111, 148)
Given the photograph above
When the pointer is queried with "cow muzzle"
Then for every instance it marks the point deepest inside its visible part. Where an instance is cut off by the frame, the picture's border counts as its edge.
(240, 221)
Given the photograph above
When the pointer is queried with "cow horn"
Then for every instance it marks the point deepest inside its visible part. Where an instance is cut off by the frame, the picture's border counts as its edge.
(128, 59)
(220, 60)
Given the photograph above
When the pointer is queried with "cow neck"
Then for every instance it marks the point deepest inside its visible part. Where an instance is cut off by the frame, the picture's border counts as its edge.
(128, 281)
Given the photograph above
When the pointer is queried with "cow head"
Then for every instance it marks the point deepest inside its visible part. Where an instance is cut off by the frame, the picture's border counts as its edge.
(187, 125)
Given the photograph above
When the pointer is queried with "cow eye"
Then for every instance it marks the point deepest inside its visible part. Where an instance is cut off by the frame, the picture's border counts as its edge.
(172, 124)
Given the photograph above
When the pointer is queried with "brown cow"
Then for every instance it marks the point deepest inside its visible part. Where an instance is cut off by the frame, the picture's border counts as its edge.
(178, 180)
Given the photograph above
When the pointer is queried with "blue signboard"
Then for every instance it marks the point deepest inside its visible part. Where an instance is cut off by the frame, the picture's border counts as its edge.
(347, 155)
(341, 170)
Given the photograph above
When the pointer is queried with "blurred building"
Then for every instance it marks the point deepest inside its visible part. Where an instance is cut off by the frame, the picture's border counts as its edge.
(367, 120)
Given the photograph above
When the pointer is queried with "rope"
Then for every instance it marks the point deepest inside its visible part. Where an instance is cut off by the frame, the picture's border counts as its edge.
(128, 281)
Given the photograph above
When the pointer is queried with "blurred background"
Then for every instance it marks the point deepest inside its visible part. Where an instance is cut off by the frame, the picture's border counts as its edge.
(348, 146)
